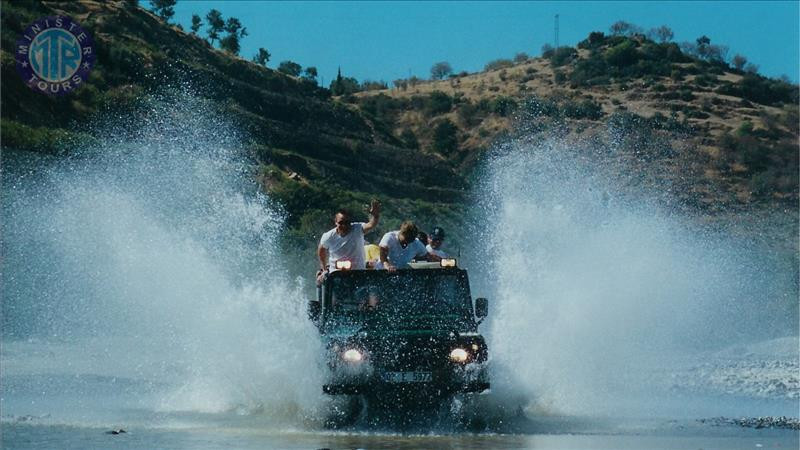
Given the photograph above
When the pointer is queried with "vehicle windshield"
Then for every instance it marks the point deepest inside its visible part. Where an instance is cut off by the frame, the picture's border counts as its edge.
(413, 295)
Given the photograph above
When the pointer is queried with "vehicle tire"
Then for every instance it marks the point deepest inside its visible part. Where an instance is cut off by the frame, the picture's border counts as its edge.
(346, 411)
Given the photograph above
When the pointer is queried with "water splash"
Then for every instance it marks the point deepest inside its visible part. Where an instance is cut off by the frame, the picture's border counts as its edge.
(155, 252)
(604, 293)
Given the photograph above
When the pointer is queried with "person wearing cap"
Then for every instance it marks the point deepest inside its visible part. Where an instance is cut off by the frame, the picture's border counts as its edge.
(398, 248)
(435, 240)
(345, 242)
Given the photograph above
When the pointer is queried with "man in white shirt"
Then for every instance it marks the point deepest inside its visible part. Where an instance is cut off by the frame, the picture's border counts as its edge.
(400, 247)
(435, 240)
(345, 242)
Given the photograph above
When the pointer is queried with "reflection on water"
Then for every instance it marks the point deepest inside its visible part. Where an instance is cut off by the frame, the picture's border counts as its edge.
(677, 437)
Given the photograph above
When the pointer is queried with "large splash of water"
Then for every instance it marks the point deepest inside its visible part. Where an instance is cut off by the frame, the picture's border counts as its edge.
(605, 297)
(152, 256)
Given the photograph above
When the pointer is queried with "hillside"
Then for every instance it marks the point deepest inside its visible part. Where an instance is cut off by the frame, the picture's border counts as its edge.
(310, 151)
(724, 137)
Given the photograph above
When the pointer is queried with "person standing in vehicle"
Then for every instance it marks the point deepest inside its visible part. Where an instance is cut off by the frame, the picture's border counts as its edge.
(435, 240)
(345, 242)
(373, 255)
(398, 248)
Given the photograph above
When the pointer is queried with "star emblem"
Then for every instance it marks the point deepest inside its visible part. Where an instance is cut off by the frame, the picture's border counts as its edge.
(86, 65)
(24, 63)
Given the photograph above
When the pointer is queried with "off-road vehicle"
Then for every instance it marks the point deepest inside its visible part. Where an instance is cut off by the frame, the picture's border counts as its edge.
(403, 338)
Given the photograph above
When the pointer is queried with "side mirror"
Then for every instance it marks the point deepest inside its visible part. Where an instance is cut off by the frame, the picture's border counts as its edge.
(313, 310)
(481, 308)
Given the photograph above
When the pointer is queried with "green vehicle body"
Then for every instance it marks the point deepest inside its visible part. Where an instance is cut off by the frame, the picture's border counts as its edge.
(404, 325)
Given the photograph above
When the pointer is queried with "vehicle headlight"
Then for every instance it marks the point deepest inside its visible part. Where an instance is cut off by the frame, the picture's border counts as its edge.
(448, 262)
(459, 355)
(352, 355)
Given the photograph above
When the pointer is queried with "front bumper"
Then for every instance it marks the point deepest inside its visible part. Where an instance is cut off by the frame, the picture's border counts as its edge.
(470, 378)
(355, 389)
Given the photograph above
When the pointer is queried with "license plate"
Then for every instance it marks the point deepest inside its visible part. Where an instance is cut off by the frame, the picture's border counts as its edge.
(406, 377)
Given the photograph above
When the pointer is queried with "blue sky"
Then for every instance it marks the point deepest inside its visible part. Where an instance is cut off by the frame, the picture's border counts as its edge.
(390, 40)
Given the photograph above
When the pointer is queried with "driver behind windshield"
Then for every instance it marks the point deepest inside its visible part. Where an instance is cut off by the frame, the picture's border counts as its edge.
(372, 300)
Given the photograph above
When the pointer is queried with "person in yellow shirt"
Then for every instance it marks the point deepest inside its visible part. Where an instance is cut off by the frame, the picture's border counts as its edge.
(373, 255)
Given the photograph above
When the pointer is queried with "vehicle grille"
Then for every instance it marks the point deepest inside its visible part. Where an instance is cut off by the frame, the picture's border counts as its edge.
(412, 353)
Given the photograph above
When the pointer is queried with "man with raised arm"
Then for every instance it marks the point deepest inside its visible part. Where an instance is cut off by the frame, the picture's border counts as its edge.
(345, 242)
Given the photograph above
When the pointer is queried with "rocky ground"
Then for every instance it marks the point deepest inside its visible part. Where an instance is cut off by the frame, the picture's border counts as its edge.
(782, 422)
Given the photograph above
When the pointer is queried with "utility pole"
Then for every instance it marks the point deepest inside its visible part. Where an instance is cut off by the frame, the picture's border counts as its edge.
(556, 32)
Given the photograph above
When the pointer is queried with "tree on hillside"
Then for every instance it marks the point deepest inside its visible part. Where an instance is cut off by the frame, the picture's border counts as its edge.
(262, 57)
(718, 53)
(521, 57)
(661, 34)
(622, 28)
(236, 32)
(440, 70)
(343, 85)
(703, 49)
(751, 68)
(196, 23)
(703, 43)
(164, 8)
(289, 68)
(739, 61)
(216, 24)
(310, 73)
(547, 50)
(369, 85)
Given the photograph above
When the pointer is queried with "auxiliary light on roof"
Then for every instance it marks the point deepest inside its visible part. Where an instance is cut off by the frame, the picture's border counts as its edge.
(343, 265)
(448, 262)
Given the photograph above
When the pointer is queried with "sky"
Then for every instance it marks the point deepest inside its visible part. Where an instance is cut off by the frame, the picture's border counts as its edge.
(391, 40)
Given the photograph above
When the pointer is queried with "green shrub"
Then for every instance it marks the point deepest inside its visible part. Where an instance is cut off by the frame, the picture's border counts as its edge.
(756, 88)
(438, 103)
(535, 106)
(469, 114)
(381, 106)
(586, 109)
(705, 80)
(498, 64)
(41, 139)
(622, 55)
(692, 113)
(409, 139)
(445, 137)
(521, 57)
(595, 39)
(503, 106)
(770, 167)
(590, 71)
(563, 55)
